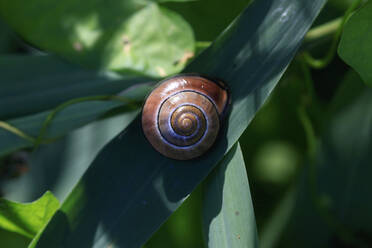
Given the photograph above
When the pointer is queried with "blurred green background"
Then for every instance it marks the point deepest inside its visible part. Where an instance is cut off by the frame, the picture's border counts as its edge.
(303, 195)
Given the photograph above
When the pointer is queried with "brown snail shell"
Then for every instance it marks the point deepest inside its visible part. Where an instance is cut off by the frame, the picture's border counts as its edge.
(181, 118)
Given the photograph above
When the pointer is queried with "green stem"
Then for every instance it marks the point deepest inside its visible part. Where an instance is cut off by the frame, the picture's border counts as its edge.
(323, 62)
(64, 105)
(309, 83)
(322, 31)
(48, 120)
(202, 44)
(12, 129)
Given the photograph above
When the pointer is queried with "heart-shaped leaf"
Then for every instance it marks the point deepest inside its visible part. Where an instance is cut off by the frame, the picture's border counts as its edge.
(130, 35)
(356, 42)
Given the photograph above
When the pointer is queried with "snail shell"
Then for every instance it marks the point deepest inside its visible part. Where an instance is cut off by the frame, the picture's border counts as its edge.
(181, 118)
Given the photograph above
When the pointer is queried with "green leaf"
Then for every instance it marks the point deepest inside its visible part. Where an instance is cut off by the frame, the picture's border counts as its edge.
(356, 42)
(130, 190)
(350, 89)
(117, 35)
(29, 218)
(31, 84)
(228, 214)
(13, 240)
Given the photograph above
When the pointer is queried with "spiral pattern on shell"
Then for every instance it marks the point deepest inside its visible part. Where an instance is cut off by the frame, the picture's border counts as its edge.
(181, 118)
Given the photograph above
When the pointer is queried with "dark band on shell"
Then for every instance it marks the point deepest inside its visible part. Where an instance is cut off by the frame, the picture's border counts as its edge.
(181, 118)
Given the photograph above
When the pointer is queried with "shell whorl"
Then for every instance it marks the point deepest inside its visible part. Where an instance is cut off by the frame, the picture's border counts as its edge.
(181, 117)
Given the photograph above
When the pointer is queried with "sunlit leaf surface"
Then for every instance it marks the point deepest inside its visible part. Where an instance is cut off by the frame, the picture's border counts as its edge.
(123, 36)
(27, 219)
(228, 215)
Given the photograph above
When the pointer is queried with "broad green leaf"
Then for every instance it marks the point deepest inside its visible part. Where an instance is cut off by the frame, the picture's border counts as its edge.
(356, 42)
(117, 35)
(27, 219)
(130, 190)
(66, 120)
(228, 215)
(31, 84)
(13, 240)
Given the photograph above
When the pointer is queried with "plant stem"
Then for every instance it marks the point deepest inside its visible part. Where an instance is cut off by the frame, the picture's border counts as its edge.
(64, 105)
(12, 129)
(322, 31)
(309, 83)
(47, 122)
(202, 44)
(336, 26)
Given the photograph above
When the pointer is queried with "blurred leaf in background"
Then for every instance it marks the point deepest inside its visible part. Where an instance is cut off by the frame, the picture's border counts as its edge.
(6, 38)
(123, 36)
(358, 30)
(331, 199)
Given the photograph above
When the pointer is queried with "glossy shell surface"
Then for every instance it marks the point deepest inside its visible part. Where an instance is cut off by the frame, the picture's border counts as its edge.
(181, 118)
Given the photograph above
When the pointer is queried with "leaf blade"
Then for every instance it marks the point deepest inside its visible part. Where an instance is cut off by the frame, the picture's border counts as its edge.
(228, 214)
(122, 36)
(27, 219)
